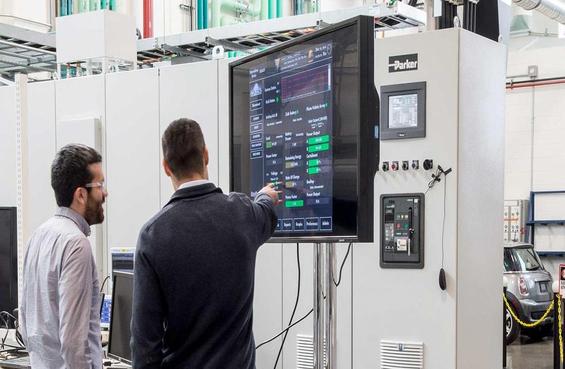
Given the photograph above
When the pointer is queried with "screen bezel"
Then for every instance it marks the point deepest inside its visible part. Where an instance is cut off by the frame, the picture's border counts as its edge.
(111, 355)
(13, 258)
(416, 88)
(368, 127)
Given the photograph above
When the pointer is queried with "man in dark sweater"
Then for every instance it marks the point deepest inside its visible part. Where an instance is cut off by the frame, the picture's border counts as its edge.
(195, 266)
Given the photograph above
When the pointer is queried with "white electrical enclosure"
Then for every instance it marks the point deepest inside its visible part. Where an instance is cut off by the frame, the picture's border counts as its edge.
(96, 35)
(462, 326)
(42, 148)
(8, 190)
(85, 131)
(132, 153)
(77, 99)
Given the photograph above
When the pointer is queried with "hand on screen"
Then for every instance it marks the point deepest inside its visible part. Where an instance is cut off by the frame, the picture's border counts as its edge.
(270, 190)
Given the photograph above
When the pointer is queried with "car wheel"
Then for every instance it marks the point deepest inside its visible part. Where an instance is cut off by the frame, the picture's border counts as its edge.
(512, 328)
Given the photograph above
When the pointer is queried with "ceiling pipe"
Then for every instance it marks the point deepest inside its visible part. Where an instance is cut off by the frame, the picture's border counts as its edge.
(554, 9)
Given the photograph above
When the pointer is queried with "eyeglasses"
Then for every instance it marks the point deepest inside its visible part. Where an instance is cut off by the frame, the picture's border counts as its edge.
(95, 184)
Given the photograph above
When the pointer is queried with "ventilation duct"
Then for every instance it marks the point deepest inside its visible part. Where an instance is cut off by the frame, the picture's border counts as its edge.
(554, 9)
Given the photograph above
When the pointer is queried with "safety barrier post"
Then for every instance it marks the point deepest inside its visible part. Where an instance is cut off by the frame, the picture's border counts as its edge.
(504, 331)
(556, 353)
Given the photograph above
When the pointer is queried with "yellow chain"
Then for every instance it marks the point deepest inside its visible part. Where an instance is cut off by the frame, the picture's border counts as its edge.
(524, 324)
(560, 328)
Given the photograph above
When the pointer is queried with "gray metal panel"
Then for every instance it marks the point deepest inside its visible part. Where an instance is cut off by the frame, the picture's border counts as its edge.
(401, 304)
(481, 200)
(8, 190)
(190, 91)
(42, 148)
(132, 153)
(267, 319)
(224, 124)
(85, 97)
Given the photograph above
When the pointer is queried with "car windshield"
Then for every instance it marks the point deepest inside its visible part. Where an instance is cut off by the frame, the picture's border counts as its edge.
(524, 260)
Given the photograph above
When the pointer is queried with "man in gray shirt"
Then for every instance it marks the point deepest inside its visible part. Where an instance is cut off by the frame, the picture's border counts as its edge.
(60, 307)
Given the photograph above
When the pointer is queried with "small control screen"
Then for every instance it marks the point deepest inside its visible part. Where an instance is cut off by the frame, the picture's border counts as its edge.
(403, 111)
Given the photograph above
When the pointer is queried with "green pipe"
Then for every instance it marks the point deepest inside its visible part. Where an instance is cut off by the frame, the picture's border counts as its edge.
(103, 4)
(264, 9)
(219, 9)
(205, 14)
(279, 8)
(215, 9)
(198, 14)
(313, 6)
(113, 5)
(228, 20)
(272, 9)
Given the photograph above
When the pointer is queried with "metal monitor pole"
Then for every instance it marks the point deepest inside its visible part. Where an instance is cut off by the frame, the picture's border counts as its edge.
(324, 306)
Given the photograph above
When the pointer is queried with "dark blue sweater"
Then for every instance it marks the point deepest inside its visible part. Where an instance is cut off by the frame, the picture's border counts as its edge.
(193, 281)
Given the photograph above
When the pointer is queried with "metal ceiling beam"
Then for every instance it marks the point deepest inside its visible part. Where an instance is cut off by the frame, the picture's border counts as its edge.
(183, 52)
(6, 81)
(229, 45)
(27, 47)
(27, 66)
(29, 58)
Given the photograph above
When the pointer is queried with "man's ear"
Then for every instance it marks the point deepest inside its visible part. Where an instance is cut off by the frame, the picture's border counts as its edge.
(206, 157)
(167, 169)
(80, 196)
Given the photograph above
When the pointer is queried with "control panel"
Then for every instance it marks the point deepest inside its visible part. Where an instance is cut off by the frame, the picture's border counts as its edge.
(402, 231)
(405, 165)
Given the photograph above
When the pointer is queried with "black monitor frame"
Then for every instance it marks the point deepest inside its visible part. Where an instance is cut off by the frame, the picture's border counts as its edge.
(356, 211)
(12, 299)
(117, 274)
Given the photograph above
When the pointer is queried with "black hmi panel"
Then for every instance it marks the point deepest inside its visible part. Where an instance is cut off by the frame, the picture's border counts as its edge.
(302, 118)
(402, 231)
(403, 111)
(8, 260)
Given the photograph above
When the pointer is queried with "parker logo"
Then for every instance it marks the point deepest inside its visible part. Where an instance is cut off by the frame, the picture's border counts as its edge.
(402, 63)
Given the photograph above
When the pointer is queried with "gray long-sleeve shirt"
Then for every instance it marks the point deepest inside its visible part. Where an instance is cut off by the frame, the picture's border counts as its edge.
(60, 307)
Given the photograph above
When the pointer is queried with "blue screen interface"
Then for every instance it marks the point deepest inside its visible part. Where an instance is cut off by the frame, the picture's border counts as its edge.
(290, 110)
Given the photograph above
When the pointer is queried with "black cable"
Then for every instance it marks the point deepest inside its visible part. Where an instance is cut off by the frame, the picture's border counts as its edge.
(295, 305)
(473, 17)
(5, 315)
(443, 221)
(311, 310)
(104, 283)
(281, 333)
(341, 267)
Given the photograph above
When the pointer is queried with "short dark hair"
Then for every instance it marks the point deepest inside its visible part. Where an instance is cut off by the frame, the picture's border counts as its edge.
(183, 147)
(70, 171)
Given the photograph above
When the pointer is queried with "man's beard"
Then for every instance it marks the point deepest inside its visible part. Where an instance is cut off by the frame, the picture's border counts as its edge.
(94, 213)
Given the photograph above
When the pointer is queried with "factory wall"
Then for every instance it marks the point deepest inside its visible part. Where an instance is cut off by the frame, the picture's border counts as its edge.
(535, 133)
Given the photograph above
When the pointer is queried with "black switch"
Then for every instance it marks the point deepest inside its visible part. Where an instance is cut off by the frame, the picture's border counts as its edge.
(405, 165)
(415, 164)
(428, 164)
(385, 166)
(394, 166)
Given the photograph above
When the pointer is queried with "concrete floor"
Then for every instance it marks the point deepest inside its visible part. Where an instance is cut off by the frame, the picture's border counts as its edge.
(526, 353)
